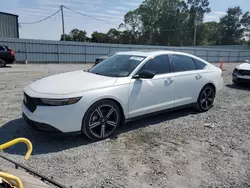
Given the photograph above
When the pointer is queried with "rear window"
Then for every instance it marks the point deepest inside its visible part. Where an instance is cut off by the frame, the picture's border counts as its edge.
(200, 65)
(2, 48)
(7, 48)
(183, 63)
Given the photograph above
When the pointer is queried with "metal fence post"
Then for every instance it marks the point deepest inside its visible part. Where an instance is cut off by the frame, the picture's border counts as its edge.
(109, 49)
(207, 54)
(229, 55)
(85, 52)
(238, 56)
(58, 55)
(219, 56)
(26, 53)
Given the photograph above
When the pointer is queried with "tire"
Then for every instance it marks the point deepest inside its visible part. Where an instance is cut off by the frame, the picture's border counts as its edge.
(101, 120)
(235, 82)
(206, 99)
(2, 63)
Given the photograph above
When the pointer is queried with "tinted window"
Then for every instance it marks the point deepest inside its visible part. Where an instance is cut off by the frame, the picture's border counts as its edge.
(158, 65)
(183, 63)
(200, 65)
(1, 48)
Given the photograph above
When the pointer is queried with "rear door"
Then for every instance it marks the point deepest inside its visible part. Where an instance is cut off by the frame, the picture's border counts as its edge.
(188, 77)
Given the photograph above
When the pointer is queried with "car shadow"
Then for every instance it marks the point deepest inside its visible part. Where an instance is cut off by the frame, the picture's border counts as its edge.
(7, 66)
(48, 143)
(242, 86)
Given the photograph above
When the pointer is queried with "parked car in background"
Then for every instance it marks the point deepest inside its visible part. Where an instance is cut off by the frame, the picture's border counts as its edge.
(241, 74)
(101, 58)
(125, 86)
(7, 55)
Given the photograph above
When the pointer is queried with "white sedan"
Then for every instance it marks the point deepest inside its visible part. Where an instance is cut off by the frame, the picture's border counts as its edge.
(125, 86)
(241, 73)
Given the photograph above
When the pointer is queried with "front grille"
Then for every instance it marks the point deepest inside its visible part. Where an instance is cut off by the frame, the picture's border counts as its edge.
(30, 102)
(244, 72)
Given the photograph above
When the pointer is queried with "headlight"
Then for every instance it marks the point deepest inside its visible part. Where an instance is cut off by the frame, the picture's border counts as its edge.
(235, 71)
(60, 102)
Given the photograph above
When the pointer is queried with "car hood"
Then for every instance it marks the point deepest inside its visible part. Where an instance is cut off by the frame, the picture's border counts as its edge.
(244, 66)
(71, 82)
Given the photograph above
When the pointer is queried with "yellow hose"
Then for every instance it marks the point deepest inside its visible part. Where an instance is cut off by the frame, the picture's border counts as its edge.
(18, 140)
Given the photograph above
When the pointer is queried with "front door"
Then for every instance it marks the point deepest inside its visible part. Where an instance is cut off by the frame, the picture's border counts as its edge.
(151, 95)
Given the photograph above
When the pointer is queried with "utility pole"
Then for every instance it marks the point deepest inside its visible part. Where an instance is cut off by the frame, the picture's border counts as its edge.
(63, 23)
(195, 27)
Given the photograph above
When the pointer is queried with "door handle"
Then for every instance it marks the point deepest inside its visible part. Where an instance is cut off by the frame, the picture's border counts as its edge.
(169, 80)
(198, 77)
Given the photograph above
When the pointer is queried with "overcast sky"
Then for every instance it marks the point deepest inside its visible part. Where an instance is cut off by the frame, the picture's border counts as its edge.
(112, 11)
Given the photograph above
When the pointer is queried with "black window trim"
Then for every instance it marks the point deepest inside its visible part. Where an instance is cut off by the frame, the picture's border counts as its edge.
(170, 64)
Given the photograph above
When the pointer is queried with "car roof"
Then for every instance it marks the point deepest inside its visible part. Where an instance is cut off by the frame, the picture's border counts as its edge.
(152, 53)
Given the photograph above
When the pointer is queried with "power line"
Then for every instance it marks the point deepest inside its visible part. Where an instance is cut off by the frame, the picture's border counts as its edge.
(89, 16)
(43, 18)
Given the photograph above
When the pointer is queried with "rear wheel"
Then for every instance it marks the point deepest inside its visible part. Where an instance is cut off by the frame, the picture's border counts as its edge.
(2, 63)
(101, 120)
(206, 99)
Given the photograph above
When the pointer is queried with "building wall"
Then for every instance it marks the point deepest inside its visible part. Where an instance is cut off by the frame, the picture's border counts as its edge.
(44, 51)
(9, 25)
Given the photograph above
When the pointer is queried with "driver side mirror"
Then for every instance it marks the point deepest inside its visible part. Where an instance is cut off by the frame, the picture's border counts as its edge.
(144, 74)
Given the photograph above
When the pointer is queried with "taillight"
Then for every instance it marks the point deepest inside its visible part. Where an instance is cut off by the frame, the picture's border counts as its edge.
(12, 53)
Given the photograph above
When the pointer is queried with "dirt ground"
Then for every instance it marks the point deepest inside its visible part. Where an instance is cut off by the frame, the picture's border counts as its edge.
(175, 149)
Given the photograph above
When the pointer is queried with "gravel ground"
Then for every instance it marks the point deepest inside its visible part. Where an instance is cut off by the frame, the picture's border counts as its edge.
(169, 150)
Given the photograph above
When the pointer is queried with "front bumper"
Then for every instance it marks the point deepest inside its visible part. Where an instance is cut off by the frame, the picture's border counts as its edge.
(56, 119)
(40, 126)
(240, 78)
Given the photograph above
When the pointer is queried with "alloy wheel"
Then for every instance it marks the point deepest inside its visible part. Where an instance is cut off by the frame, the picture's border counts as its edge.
(103, 121)
(207, 98)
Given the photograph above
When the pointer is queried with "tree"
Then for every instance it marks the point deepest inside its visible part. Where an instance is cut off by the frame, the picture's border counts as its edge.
(99, 37)
(233, 26)
(209, 34)
(165, 22)
(75, 35)
(114, 36)
(78, 35)
(171, 22)
(67, 37)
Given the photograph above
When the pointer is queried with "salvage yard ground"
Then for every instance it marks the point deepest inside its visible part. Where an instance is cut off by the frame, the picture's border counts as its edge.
(169, 150)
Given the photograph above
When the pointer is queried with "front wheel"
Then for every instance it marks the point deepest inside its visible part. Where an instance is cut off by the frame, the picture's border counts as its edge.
(101, 120)
(206, 99)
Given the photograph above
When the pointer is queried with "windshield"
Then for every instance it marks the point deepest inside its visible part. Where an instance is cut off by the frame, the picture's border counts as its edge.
(117, 65)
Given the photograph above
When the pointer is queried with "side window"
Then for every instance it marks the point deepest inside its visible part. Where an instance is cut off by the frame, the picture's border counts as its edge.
(200, 65)
(158, 65)
(2, 48)
(183, 63)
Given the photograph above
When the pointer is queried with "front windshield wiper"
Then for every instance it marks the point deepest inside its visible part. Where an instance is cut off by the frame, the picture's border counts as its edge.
(108, 75)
